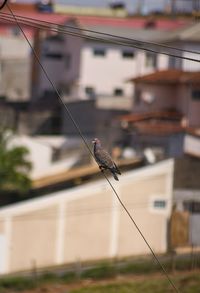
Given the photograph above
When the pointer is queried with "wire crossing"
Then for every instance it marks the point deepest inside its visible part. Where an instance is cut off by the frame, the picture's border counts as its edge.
(23, 18)
(126, 42)
(86, 144)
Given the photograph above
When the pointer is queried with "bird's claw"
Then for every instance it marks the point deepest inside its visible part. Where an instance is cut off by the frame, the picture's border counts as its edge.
(101, 168)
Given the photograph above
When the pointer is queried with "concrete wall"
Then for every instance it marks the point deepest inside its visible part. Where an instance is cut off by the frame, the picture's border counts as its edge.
(164, 97)
(63, 71)
(87, 222)
(15, 68)
(41, 157)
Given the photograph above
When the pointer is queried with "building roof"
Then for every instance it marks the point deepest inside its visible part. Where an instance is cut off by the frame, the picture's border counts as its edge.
(170, 76)
(137, 32)
(155, 123)
(124, 26)
(136, 117)
(80, 172)
(190, 33)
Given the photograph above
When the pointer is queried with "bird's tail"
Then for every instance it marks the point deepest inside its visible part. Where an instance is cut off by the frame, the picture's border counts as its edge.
(115, 176)
(117, 169)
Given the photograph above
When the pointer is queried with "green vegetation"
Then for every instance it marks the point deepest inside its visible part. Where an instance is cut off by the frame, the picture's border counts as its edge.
(14, 166)
(16, 283)
(138, 275)
(187, 282)
(154, 284)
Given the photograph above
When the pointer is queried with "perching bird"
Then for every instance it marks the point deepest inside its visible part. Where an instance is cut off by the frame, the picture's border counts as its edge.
(104, 160)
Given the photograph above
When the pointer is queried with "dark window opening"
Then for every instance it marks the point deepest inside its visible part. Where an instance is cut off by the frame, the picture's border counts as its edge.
(192, 206)
(159, 204)
(99, 52)
(118, 92)
(90, 91)
(128, 54)
(54, 55)
(151, 60)
(196, 95)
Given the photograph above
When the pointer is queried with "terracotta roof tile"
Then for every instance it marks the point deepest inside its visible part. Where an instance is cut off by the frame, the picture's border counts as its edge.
(171, 76)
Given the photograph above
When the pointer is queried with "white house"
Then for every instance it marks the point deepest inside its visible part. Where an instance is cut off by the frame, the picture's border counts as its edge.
(15, 67)
(42, 153)
(105, 67)
(87, 223)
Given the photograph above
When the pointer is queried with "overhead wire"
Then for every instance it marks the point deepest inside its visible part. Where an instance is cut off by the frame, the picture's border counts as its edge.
(87, 146)
(39, 25)
(82, 29)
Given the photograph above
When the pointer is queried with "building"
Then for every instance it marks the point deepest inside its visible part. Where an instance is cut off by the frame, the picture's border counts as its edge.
(100, 60)
(15, 68)
(169, 89)
(186, 39)
(79, 67)
(166, 105)
(45, 153)
(59, 228)
(60, 56)
(87, 71)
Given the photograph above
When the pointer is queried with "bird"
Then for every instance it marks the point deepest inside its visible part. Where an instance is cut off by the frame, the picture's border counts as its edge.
(104, 160)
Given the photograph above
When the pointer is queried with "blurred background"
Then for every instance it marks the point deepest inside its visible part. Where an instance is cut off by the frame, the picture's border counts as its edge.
(127, 72)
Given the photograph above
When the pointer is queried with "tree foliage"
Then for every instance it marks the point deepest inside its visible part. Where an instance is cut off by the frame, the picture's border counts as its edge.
(14, 166)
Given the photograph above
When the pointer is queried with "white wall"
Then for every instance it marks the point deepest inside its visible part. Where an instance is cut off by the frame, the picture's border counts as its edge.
(15, 68)
(13, 47)
(65, 223)
(188, 65)
(105, 73)
(40, 155)
(192, 145)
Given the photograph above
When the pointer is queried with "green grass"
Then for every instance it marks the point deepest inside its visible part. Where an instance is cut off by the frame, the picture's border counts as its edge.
(109, 270)
(16, 283)
(102, 271)
(186, 284)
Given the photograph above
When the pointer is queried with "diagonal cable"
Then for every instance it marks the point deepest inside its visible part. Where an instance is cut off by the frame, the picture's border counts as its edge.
(138, 41)
(105, 40)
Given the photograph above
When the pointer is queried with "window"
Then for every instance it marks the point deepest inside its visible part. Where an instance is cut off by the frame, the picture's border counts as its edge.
(192, 206)
(151, 60)
(128, 54)
(15, 31)
(101, 52)
(175, 63)
(90, 92)
(118, 92)
(53, 55)
(196, 95)
(159, 204)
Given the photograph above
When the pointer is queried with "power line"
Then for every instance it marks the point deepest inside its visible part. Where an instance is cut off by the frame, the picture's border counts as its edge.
(111, 41)
(21, 18)
(86, 144)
